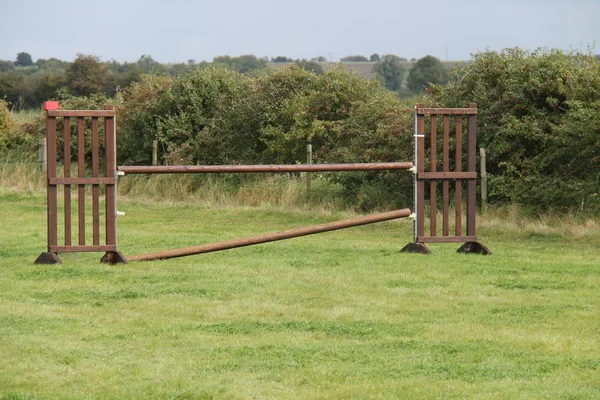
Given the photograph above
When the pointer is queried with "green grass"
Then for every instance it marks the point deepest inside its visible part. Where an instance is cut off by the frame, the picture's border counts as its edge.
(334, 316)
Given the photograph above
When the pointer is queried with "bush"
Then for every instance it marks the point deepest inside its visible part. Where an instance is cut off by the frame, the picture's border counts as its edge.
(215, 116)
(539, 119)
(5, 119)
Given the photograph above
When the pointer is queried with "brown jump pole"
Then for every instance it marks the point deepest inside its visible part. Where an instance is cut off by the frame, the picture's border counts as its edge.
(271, 237)
(210, 169)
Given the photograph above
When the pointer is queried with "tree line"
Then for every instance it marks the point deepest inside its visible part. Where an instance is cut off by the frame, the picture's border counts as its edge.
(26, 84)
(538, 119)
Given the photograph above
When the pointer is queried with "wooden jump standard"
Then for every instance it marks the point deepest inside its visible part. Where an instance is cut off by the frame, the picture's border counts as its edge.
(105, 176)
(272, 237)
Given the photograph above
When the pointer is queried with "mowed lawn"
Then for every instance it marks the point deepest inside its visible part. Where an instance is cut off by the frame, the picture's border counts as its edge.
(339, 315)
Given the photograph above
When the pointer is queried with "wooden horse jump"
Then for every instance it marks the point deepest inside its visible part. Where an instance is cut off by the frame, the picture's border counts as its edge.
(432, 175)
(108, 180)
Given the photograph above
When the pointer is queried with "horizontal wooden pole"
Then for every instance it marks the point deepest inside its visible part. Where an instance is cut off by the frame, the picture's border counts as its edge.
(271, 237)
(447, 175)
(447, 111)
(81, 181)
(81, 113)
(446, 239)
(212, 169)
(77, 249)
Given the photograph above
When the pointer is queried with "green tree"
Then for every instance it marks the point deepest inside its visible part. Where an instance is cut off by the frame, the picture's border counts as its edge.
(88, 75)
(310, 66)
(216, 116)
(6, 66)
(48, 87)
(148, 65)
(281, 59)
(354, 58)
(23, 60)
(179, 68)
(538, 120)
(426, 71)
(241, 64)
(374, 57)
(13, 89)
(52, 65)
(390, 72)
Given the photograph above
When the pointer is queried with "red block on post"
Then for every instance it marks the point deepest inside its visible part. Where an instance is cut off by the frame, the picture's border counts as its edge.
(51, 105)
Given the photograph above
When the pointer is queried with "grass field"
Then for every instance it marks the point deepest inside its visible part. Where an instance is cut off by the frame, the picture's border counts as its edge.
(333, 316)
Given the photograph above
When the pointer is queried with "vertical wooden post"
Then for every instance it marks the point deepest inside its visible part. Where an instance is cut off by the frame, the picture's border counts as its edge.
(433, 183)
(458, 182)
(483, 170)
(445, 183)
(42, 155)
(52, 194)
(67, 174)
(309, 162)
(95, 187)
(51, 257)
(81, 174)
(471, 167)
(420, 161)
(110, 144)
(155, 152)
(419, 185)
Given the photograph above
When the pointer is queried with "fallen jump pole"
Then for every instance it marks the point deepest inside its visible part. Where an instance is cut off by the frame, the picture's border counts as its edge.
(272, 237)
(211, 169)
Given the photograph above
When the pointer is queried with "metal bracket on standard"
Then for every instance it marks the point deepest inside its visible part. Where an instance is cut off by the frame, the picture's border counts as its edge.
(113, 257)
(419, 248)
(48, 258)
(475, 248)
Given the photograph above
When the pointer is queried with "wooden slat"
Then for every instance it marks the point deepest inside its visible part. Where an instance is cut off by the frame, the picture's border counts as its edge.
(458, 183)
(433, 183)
(67, 174)
(420, 206)
(82, 181)
(95, 187)
(447, 175)
(447, 111)
(110, 189)
(81, 174)
(88, 249)
(446, 168)
(81, 113)
(446, 239)
(51, 194)
(471, 167)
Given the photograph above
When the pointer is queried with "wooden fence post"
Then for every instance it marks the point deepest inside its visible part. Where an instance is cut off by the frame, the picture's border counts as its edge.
(483, 178)
(42, 155)
(155, 152)
(309, 162)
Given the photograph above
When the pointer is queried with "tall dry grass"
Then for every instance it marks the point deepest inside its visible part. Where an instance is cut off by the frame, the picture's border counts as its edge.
(21, 176)
(511, 219)
(282, 191)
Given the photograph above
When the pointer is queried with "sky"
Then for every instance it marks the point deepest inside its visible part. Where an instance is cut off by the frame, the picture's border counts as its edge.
(179, 30)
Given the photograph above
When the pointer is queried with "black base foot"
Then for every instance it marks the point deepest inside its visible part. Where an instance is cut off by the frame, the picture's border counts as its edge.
(48, 258)
(475, 248)
(113, 257)
(415, 248)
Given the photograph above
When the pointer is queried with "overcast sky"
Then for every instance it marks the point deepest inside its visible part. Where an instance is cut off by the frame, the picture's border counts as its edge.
(178, 30)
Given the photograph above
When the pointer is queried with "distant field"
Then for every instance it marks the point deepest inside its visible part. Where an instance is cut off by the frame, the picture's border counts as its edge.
(338, 315)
